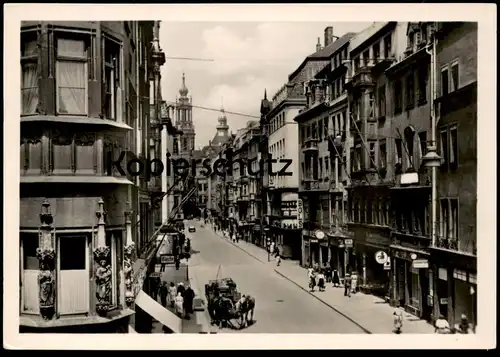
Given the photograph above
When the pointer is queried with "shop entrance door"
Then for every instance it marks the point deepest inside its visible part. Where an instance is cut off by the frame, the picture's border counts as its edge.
(73, 272)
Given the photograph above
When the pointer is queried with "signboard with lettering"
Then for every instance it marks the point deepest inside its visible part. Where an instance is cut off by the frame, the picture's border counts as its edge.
(387, 264)
(167, 259)
(348, 243)
(420, 264)
(155, 275)
(300, 214)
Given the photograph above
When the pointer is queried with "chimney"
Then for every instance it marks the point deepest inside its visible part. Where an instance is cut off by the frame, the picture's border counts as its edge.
(318, 45)
(328, 35)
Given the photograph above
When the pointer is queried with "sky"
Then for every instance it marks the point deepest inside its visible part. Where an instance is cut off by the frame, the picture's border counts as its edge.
(248, 57)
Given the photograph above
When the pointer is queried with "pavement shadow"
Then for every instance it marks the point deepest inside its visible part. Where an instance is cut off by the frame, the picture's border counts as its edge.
(193, 252)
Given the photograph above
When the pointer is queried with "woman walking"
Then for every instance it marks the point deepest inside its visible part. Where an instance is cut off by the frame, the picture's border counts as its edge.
(179, 305)
(336, 279)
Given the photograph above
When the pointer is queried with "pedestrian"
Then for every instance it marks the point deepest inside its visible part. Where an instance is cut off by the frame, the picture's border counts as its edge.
(278, 259)
(272, 247)
(154, 289)
(172, 292)
(336, 279)
(347, 285)
(397, 321)
(354, 283)
(163, 294)
(179, 305)
(188, 301)
(441, 326)
(180, 288)
(321, 281)
(312, 278)
(464, 326)
(234, 237)
(238, 238)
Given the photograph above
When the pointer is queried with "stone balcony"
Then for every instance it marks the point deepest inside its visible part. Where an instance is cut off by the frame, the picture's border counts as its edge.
(310, 145)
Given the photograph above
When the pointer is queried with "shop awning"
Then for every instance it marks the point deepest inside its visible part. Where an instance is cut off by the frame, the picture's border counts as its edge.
(158, 312)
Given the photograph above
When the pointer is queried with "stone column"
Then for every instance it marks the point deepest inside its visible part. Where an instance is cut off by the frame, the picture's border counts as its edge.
(128, 255)
(103, 270)
(46, 256)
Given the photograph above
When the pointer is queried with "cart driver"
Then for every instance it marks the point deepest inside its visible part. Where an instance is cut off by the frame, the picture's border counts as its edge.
(240, 302)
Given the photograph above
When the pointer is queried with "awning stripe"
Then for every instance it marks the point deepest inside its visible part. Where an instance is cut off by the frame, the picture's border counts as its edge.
(158, 312)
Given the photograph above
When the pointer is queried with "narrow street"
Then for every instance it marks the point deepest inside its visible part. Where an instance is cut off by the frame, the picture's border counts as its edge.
(281, 307)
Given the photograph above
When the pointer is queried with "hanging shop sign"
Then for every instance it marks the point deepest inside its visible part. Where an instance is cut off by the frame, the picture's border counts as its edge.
(167, 259)
(420, 264)
(155, 275)
(387, 264)
(381, 257)
(313, 241)
(300, 214)
(319, 235)
(348, 243)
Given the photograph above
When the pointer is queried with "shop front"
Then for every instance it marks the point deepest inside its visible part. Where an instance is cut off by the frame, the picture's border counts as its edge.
(370, 259)
(410, 280)
(455, 281)
(315, 250)
(341, 252)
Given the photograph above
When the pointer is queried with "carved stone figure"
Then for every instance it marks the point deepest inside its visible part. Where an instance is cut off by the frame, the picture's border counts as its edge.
(103, 279)
(128, 272)
(46, 282)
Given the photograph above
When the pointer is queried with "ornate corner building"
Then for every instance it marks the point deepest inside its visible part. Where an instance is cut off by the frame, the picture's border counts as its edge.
(85, 100)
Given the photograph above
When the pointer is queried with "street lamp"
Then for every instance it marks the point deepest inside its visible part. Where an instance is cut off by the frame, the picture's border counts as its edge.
(433, 160)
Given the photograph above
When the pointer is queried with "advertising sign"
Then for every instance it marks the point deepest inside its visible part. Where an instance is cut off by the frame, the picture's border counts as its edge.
(300, 214)
(387, 264)
(348, 243)
(167, 259)
(381, 257)
(420, 264)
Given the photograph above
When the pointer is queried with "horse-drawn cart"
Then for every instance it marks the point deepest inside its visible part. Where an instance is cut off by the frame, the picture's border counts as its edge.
(222, 297)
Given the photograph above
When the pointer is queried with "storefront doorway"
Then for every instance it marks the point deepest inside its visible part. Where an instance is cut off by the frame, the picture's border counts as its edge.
(73, 273)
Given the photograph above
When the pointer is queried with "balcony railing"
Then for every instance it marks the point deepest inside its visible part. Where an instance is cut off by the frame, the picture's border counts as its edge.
(310, 145)
(316, 184)
(454, 244)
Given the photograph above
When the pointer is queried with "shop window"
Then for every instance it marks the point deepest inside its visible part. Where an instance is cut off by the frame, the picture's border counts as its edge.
(414, 287)
(29, 73)
(72, 76)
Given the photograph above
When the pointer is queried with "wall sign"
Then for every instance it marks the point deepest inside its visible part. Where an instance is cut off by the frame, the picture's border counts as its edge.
(387, 264)
(420, 264)
(348, 243)
(300, 214)
(381, 257)
(167, 259)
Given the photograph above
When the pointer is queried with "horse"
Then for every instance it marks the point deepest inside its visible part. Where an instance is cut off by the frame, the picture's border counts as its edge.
(221, 310)
(246, 307)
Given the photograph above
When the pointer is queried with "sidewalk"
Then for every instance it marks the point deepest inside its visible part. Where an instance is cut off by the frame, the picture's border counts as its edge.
(371, 313)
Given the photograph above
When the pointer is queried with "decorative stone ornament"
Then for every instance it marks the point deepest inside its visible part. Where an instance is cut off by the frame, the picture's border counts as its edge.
(103, 272)
(128, 257)
(46, 256)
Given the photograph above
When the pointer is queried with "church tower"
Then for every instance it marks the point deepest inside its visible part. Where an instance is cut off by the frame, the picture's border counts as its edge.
(184, 119)
(222, 127)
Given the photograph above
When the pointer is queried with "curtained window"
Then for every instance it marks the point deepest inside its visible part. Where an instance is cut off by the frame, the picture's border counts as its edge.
(71, 77)
(29, 77)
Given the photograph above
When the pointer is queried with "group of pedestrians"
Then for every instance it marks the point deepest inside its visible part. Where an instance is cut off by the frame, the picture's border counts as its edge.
(321, 276)
(179, 297)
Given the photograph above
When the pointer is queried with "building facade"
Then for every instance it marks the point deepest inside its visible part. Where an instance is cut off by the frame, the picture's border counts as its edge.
(372, 52)
(454, 254)
(409, 111)
(85, 99)
(320, 188)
